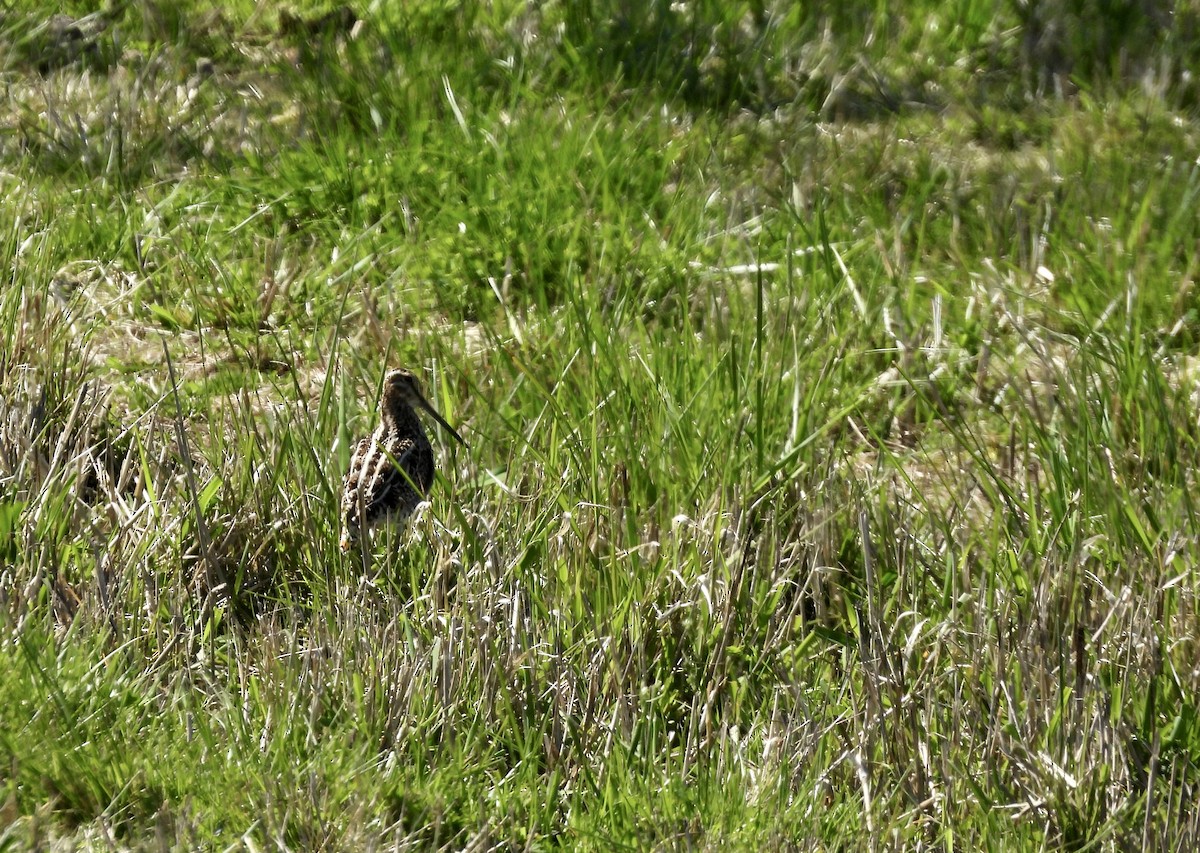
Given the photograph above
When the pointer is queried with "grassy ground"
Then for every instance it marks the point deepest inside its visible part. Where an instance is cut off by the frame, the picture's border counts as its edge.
(830, 387)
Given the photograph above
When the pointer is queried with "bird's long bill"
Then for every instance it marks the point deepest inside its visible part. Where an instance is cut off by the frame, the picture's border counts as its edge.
(441, 421)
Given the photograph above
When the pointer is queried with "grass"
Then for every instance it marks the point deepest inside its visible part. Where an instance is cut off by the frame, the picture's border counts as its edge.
(830, 388)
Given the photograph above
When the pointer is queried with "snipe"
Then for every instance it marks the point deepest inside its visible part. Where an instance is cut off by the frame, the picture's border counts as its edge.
(390, 472)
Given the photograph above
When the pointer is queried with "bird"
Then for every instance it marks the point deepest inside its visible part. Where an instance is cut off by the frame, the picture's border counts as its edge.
(392, 470)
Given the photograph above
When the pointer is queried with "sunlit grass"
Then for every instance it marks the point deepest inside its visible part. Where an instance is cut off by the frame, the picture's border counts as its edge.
(829, 392)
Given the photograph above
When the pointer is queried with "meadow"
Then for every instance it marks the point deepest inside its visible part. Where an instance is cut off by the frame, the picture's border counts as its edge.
(829, 379)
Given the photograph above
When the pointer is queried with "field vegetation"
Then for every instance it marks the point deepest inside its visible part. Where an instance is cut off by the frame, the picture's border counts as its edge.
(829, 375)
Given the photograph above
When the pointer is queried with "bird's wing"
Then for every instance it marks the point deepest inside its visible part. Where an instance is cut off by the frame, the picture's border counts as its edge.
(385, 478)
(394, 476)
(357, 475)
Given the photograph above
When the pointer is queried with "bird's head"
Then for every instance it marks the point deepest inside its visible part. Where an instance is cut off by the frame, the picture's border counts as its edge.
(400, 387)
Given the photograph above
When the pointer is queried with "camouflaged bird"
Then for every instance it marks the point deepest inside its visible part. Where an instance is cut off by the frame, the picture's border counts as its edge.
(390, 472)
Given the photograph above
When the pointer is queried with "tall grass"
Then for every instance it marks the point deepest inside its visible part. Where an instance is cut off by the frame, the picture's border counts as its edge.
(828, 387)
